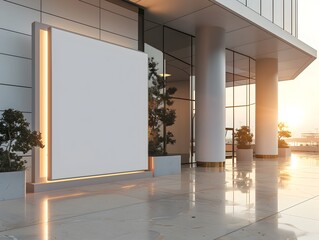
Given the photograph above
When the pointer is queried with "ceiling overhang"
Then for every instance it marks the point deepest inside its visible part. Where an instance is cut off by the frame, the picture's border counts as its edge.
(246, 31)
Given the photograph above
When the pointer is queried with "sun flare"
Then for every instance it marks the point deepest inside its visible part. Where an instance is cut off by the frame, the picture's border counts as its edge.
(291, 116)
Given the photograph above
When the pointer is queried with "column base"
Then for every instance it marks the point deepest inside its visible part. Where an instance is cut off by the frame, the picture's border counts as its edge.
(211, 164)
(266, 156)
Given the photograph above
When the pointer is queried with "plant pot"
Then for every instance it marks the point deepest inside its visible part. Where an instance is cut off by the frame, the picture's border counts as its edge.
(165, 165)
(284, 152)
(244, 154)
(12, 185)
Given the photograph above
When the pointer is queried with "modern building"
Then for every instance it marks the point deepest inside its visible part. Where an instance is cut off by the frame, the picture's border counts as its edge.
(230, 54)
(77, 69)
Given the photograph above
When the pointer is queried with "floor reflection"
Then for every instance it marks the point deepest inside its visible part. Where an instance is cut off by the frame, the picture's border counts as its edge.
(259, 199)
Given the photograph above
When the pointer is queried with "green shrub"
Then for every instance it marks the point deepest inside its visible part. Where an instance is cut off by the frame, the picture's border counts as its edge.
(15, 137)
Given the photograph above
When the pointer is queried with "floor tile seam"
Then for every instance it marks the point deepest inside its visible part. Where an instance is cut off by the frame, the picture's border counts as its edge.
(262, 219)
(302, 202)
(298, 216)
(89, 213)
(160, 198)
(70, 217)
(248, 225)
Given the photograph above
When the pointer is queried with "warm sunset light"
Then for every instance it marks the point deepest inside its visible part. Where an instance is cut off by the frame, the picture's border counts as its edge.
(291, 116)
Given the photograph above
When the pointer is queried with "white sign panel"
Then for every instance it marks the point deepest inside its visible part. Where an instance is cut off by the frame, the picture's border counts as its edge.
(99, 107)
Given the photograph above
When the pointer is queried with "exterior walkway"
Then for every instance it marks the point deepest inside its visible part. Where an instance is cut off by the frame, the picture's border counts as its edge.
(266, 199)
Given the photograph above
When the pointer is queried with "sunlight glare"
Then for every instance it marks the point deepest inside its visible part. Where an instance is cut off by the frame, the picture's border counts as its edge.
(291, 116)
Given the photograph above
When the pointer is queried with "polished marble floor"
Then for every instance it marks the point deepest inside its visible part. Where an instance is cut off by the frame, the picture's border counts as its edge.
(263, 199)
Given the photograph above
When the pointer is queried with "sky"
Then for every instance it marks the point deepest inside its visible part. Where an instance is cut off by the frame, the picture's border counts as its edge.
(299, 99)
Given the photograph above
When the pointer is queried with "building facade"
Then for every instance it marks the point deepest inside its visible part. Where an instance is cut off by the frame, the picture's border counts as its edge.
(225, 57)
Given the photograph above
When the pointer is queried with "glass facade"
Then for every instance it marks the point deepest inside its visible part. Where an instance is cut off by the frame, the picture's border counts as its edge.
(283, 13)
(240, 95)
(174, 52)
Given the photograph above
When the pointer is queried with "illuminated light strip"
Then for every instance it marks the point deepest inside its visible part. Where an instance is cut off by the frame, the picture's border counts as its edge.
(44, 101)
(96, 176)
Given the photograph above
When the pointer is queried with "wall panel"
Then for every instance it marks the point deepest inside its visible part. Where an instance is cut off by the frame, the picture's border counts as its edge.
(17, 98)
(17, 18)
(15, 44)
(127, 13)
(73, 10)
(81, 16)
(70, 25)
(118, 24)
(15, 71)
(35, 4)
(119, 40)
(92, 2)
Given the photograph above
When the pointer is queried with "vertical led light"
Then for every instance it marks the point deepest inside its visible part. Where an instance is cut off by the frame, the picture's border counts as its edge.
(44, 94)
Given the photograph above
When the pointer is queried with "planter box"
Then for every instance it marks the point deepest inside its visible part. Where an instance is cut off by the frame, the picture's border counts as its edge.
(12, 185)
(244, 154)
(284, 152)
(165, 165)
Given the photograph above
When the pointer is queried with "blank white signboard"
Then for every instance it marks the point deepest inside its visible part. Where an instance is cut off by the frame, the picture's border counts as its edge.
(99, 107)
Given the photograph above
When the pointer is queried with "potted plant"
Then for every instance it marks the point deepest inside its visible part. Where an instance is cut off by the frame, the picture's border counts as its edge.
(160, 116)
(283, 147)
(15, 138)
(243, 139)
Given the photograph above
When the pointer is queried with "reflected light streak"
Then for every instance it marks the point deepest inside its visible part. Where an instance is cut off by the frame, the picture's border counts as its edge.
(44, 219)
(294, 162)
(67, 196)
(129, 186)
(44, 212)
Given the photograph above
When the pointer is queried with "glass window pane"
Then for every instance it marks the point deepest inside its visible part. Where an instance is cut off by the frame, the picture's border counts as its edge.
(266, 9)
(287, 16)
(293, 17)
(279, 11)
(242, 1)
(177, 45)
(252, 93)
(240, 117)
(252, 120)
(241, 68)
(252, 71)
(178, 75)
(181, 129)
(229, 78)
(229, 96)
(154, 35)
(240, 95)
(241, 79)
(229, 117)
(229, 68)
(156, 54)
(254, 5)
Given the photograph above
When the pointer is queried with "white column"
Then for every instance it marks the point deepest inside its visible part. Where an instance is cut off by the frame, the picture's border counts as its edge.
(266, 108)
(210, 96)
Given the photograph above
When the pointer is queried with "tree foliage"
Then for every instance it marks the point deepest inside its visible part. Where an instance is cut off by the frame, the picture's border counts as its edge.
(243, 137)
(160, 115)
(15, 137)
(283, 133)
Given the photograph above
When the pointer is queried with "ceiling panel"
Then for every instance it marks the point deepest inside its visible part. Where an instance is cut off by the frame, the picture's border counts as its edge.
(210, 16)
(243, 35)
(162, 11)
